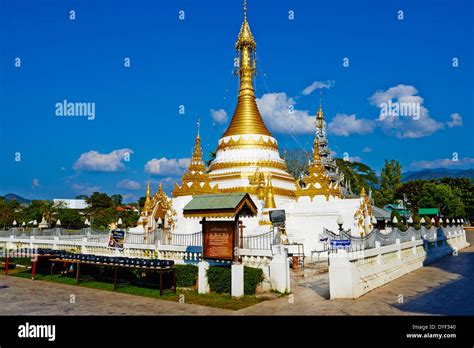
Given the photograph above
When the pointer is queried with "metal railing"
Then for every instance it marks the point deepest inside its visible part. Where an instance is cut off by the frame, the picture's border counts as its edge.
(188, 239)
(390, 238)
(261, 241)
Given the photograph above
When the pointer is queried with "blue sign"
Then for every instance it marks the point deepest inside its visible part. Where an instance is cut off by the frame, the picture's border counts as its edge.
(340, 243)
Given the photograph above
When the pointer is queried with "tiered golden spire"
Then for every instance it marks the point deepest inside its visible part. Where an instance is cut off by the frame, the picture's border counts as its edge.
(317, 182)
(195, 181)
(246, 118)
(146, 206)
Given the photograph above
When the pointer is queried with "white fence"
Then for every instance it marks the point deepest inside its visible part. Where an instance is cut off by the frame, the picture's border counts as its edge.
(354, 273)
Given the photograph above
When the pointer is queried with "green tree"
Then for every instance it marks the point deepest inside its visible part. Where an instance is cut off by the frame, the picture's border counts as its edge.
(441, 196)
(141, 202)
(70, 218)
(411, 192)
(390, 178)
(360, 175)
(116, 200)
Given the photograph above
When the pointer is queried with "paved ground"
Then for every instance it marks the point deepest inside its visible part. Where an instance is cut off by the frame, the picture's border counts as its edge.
(442, 288)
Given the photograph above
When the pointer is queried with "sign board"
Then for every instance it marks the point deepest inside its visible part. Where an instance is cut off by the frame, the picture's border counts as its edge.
(277, 216)
(218, 241)
(340, 243)
(116, 239)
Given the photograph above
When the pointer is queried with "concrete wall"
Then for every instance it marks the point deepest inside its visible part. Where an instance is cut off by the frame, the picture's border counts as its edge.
(352, 274)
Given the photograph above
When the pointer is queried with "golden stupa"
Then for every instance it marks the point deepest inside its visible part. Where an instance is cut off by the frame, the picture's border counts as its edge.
(247, 148)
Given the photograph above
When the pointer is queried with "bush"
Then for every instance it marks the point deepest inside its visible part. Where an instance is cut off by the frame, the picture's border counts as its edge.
(186, 275)
(252, 277)
(220, 279)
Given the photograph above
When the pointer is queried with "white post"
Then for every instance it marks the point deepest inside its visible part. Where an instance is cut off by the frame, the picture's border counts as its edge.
(414, 246)
(280, 272)
(237, 275)
(399, 253)
(379, 255)
(342, 276)
(203, 285)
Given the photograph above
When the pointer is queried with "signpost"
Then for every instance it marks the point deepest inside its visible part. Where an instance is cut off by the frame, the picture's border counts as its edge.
(340, 243)
(218, 240)
(116, 239)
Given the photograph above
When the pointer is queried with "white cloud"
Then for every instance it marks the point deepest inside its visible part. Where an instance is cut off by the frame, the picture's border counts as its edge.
(355, 159)
(280, 114)
(97, 162)
(219, 116)
(466, 162)
(129, 198)
(129, 184)
(164, 166)
(35, 183)
(367, 149)
(416, 126)
(456, 120)
(85, 189)
(345, 125)
(318, 85)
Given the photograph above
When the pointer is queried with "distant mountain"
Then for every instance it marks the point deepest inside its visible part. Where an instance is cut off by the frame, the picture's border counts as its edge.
(14, 197)
(438, 173)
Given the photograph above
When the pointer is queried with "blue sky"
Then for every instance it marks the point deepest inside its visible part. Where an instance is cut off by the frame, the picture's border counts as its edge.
(189, 62)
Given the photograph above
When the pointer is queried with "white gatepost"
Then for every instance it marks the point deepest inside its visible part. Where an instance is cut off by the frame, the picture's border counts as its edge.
(203, 284)
(280, 272)
(237, 280)
(342, 275)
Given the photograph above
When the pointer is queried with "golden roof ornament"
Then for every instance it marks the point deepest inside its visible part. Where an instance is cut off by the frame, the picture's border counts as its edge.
(147, 204)
(195, 181)
(258, 180)
(269, 198)
(317, 182)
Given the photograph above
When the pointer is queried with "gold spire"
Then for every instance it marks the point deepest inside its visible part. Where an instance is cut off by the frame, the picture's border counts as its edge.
(197, 164)
(246, 118)
(146, 206)
(195, 181)
(317, 182)
(319, 114)
(269, 198)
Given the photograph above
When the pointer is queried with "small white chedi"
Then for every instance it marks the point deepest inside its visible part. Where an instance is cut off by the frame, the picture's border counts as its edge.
(248, 160)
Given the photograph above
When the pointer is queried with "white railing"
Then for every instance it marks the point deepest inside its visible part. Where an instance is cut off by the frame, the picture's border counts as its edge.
(354, 273)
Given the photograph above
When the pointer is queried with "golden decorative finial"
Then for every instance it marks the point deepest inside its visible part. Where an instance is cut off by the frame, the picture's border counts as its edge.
(246, 118)
(319, 114)
(199, 126)
(270, 198)
(362, 192)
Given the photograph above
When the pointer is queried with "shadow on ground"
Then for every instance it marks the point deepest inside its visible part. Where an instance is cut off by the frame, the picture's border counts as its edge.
(451, 298)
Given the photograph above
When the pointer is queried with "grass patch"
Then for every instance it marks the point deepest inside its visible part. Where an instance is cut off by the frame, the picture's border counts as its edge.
(191, 296)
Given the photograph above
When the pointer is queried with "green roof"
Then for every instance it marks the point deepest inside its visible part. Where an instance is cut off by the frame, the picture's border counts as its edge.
(428, 211)
(223, 204)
